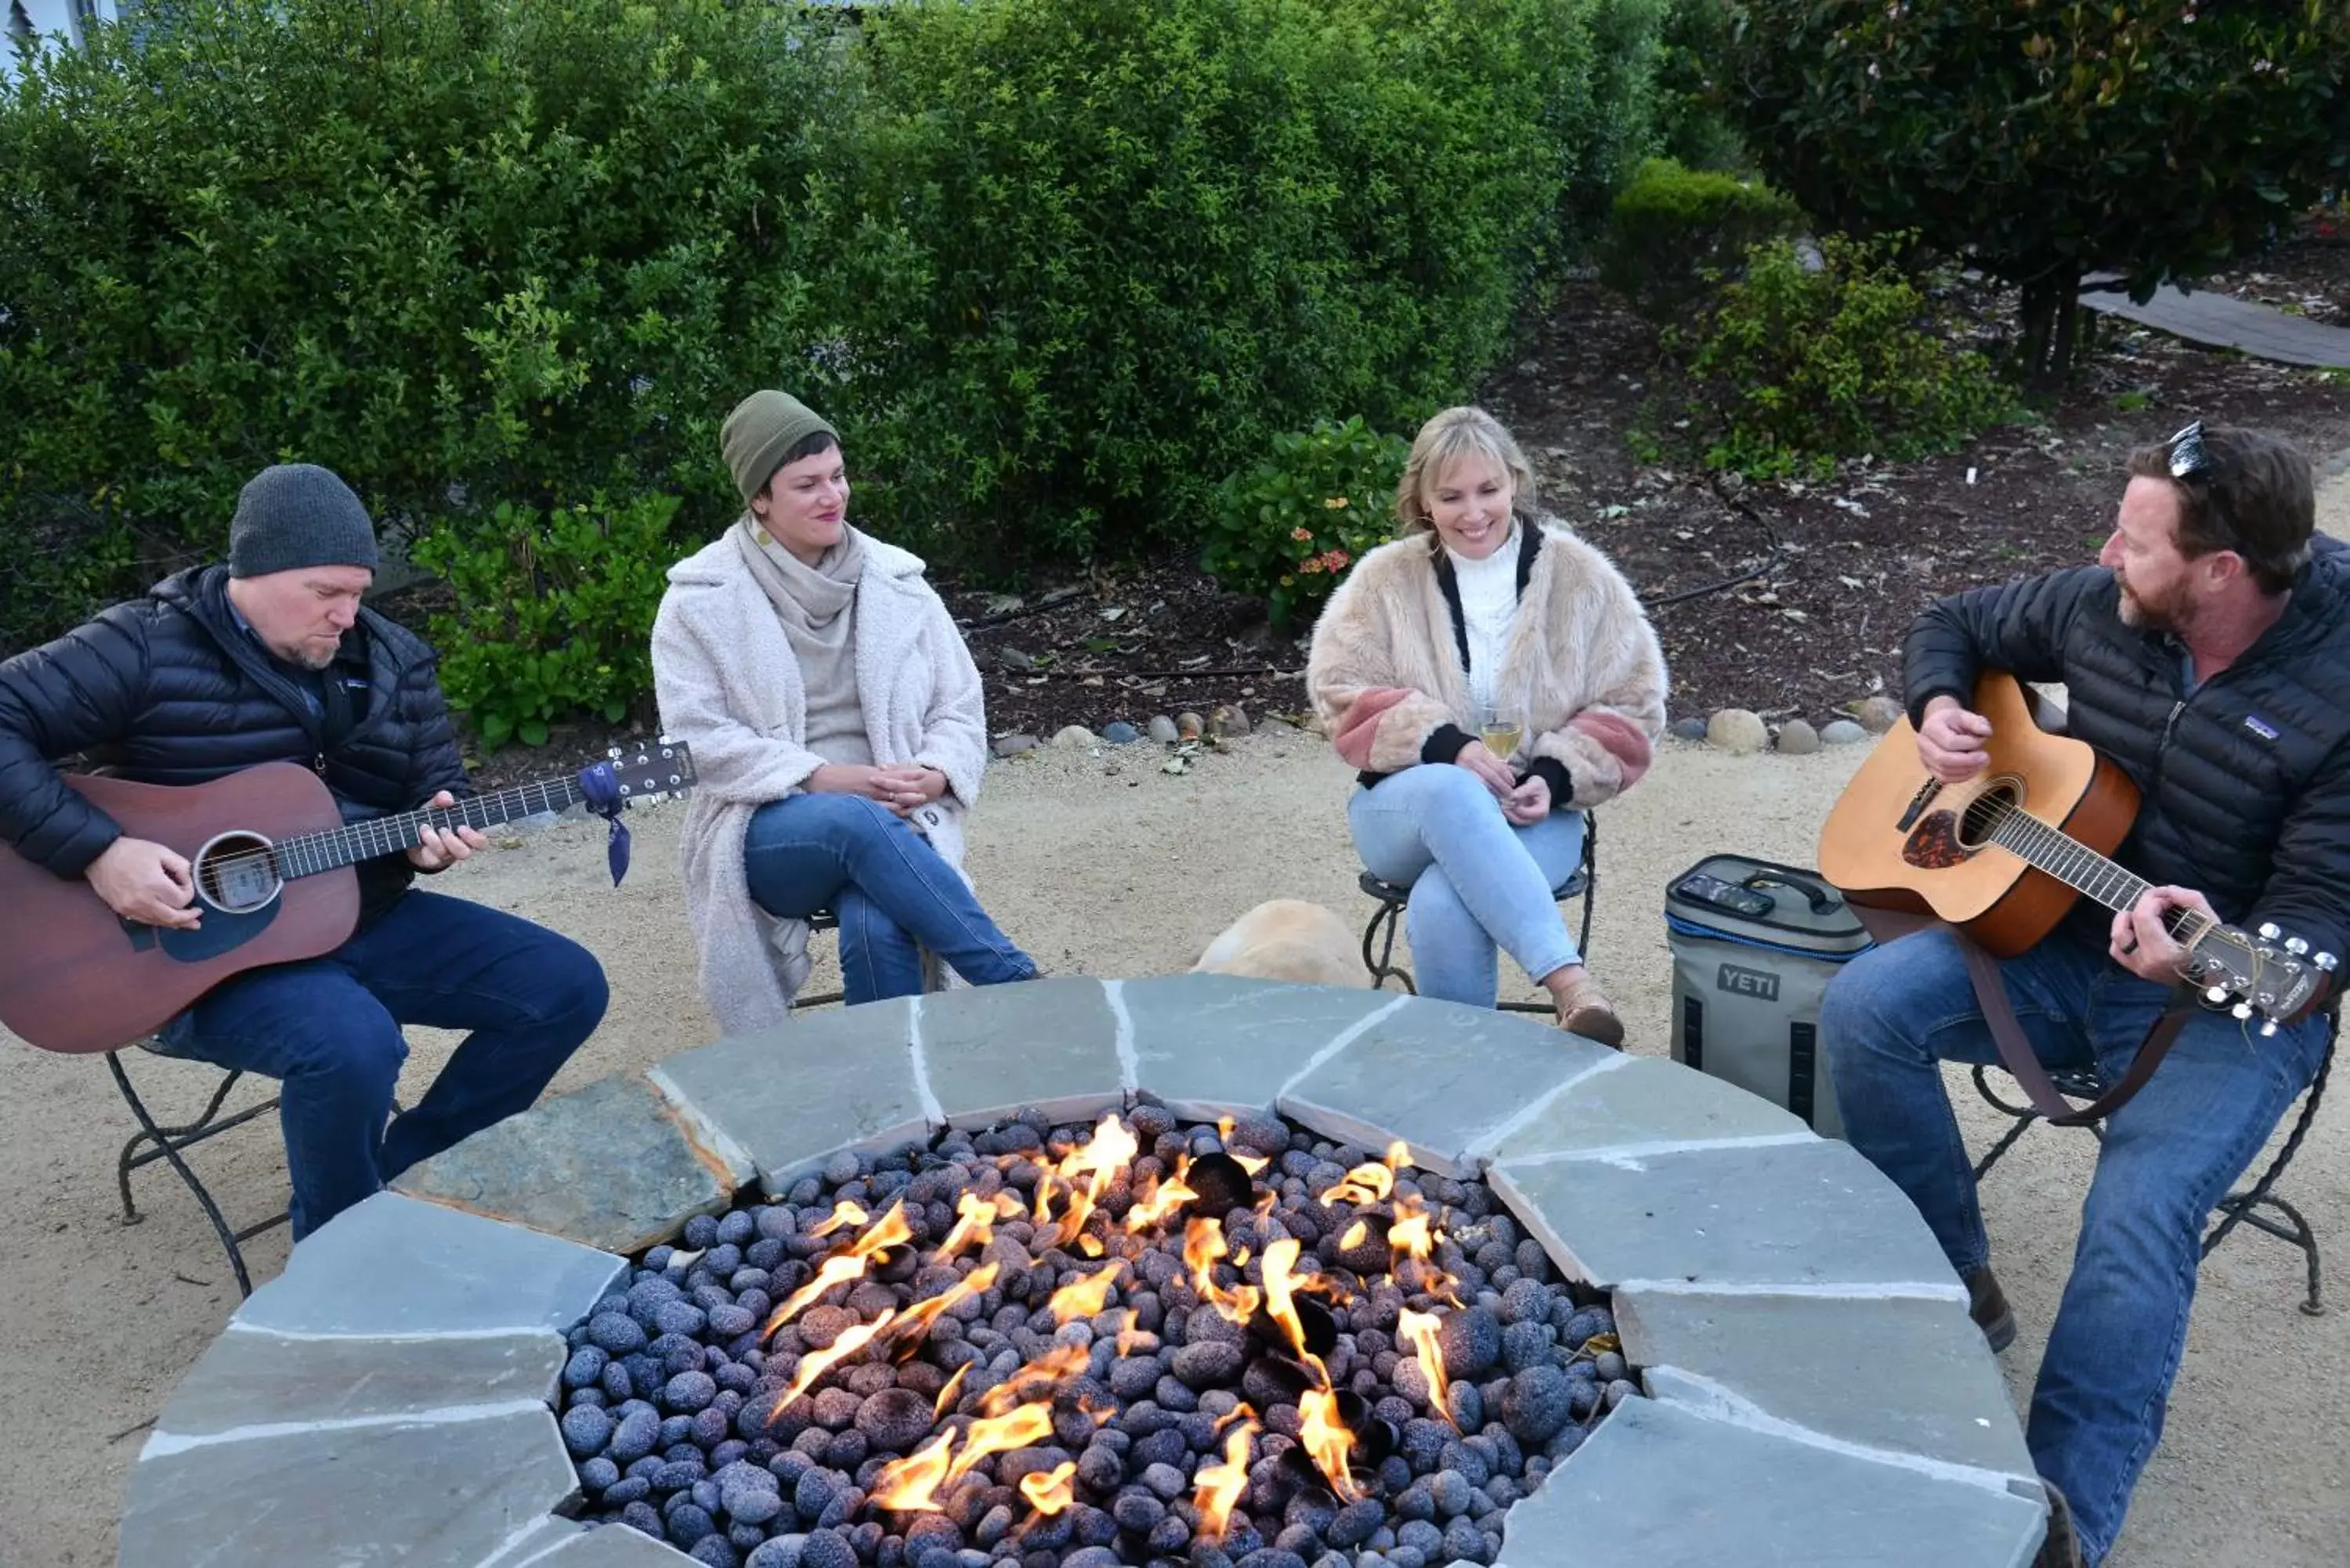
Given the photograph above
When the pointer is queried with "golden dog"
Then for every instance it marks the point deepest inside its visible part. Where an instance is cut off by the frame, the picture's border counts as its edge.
(1287, 938)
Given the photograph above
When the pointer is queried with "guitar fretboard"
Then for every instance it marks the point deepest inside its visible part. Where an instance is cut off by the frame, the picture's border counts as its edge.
(314, 852)
(2073, 863)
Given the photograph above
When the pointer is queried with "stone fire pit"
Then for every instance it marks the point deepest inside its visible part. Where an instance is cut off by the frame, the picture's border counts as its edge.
(1819, 1395)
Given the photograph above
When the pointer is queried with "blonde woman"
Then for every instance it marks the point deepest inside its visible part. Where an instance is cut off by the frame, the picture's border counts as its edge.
(1486, 617)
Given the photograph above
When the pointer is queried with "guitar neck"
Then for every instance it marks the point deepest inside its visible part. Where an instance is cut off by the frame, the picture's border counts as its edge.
(2080, 867)
(314, 852)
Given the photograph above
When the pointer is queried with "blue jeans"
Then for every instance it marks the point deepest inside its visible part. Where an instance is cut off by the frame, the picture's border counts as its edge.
(328, 1030)
(892, 892)
(1477, 883)
(1896, 1012)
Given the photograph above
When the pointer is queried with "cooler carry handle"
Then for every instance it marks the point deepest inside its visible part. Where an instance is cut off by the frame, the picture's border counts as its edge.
(1822, 901)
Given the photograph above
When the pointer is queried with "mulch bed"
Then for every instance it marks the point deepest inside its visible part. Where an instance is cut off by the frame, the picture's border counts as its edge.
(1832, 571)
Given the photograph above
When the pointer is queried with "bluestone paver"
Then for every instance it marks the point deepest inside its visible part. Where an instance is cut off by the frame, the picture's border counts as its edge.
(1442, 1077)
(1803, 1214)
(1212, 1046)
(1658, 1486)
(991, 1050)
(370, 1496)
(391, 1266)
(248, 1379)
(1909, 1375)
(1644, 1100)
(611, 1166)
(790, 1097)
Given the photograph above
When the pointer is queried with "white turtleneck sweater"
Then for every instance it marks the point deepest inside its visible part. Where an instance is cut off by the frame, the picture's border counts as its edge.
(1489, 599)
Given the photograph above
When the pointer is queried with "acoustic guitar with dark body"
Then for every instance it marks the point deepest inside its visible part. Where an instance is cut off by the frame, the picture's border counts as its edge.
(2005, 854)
(272, 862)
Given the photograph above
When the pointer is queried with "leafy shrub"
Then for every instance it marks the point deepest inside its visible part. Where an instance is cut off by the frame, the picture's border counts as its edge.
(1794, 367)
(2152, 137)
(462, 252)
(1287, 530)
(1673, 228)
(553, 613)
(1139, 239)
(1694, 126)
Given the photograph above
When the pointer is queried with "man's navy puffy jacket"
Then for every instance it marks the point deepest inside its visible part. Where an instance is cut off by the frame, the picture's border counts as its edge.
(169, 690)
(2246, 779)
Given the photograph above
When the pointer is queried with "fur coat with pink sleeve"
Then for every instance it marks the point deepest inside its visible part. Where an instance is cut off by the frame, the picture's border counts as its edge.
(1582, 669)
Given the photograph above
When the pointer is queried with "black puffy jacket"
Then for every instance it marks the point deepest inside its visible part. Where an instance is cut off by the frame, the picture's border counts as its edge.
(2246, 779)
(169, 690)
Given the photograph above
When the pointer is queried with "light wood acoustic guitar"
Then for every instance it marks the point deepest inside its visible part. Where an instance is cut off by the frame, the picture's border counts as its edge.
(2006, 854)
(272, 861)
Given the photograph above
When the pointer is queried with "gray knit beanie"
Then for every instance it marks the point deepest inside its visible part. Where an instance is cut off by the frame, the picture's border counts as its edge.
(761, 428)
(298, 515)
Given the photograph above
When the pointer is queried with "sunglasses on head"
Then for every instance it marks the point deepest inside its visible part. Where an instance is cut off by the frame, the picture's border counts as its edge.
(2188, 458)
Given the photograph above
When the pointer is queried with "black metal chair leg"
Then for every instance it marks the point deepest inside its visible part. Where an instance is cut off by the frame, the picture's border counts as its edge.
(201, 1127)
(229, 1239)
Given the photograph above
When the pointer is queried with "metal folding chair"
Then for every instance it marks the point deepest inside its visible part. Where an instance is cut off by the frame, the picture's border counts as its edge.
(2241, 1207)
(168, 1143)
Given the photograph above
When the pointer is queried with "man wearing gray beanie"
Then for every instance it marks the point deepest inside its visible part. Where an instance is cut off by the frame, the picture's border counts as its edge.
(273, 657)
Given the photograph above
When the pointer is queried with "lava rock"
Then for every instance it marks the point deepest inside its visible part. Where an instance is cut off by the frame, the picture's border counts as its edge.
(587, 1431)
(895, 1419)
(1356, 1523)
(1208, 1364)
(1541, 1400)
(827, 1549)
(1471, 1341)
(615, 1333)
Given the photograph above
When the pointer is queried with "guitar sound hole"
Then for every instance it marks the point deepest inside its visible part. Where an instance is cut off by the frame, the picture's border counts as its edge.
(236, 873)
(1984, 814)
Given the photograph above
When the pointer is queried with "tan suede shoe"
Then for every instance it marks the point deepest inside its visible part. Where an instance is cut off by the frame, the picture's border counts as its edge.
(1583, 1010)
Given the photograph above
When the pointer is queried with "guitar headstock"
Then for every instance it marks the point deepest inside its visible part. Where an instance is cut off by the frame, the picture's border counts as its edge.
(652, 770)
(2265, 974)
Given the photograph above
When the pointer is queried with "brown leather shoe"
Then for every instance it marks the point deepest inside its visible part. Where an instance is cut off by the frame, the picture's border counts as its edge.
(1583, 1010)
(1987, 1304)
(2061, 1548)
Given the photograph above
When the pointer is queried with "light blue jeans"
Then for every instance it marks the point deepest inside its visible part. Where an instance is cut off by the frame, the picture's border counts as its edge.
(892, 892)
(1896, 1012)
(1477, 883)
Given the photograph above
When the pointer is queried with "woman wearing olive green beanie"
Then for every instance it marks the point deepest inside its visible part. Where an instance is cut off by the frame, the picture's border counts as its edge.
(835, 718)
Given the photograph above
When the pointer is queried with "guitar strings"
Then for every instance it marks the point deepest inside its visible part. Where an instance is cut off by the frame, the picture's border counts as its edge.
(393, 830)
(1991, 818)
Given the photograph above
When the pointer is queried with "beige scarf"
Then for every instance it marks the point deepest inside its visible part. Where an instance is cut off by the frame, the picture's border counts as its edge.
(818, 608)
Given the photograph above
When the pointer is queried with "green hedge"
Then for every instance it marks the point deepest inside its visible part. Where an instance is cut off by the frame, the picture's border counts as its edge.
(1055, 266)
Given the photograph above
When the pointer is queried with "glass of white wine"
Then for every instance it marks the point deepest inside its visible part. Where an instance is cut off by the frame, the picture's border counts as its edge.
(1499, 731)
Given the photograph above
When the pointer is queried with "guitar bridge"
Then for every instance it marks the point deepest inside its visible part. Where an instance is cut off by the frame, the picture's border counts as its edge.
(1917, 803)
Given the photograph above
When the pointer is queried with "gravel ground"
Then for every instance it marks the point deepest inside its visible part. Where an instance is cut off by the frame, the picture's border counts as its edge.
(1102, 863)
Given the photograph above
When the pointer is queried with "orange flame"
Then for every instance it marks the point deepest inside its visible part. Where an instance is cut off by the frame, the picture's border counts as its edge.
(1220, 1486)
(910, 1485)
(816, 1363)
(1090, 1245)
(947, 1394)
(1327, 1440)
(1001, 1434)
(1280, 1258)
(1419, 1330)
(1365, 1184)
(977, 1223)
(844, 1215)
(916, 1320)
(1130, 1338)
(840, 1268)
(1084, 1297)
(1048, 1492)
(1089, 1171)
(1061, 1361)
(1354, 1236)
(1204, 1248)
(1161, 1198)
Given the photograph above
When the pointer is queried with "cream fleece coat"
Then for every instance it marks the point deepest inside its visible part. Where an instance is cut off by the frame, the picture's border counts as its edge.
(729, 687)
(1581, 664)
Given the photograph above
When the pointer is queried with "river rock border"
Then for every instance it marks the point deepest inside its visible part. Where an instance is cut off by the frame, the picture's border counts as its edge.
(1817, 1392)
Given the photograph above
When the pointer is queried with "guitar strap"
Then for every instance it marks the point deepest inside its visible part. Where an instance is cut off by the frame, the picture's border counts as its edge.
(2024, 1064)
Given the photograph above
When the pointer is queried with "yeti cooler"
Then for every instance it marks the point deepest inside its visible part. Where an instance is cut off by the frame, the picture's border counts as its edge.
(1755, 945)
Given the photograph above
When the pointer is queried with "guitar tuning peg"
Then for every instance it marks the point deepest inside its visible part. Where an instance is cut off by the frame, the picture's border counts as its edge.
(2268, 1028)
(2216, 995)
(2325, 963)
(2295, 946)
(2242, 1011)
(2268, 932)
(613, 752)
